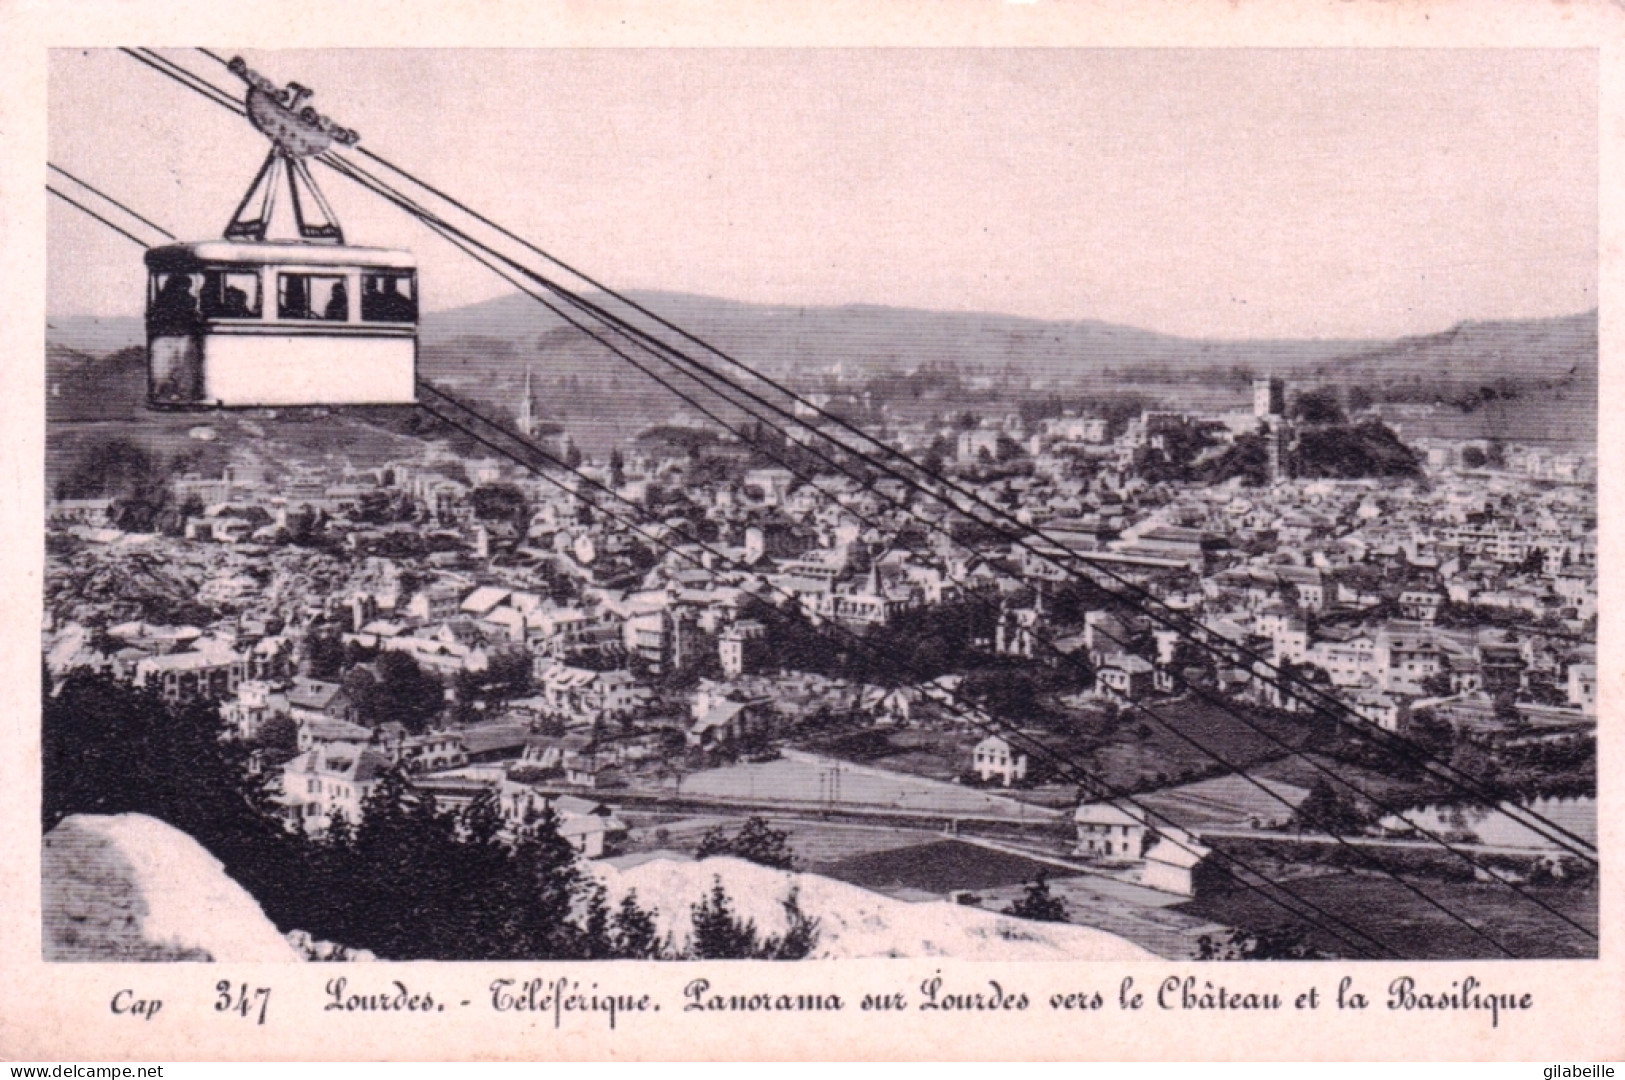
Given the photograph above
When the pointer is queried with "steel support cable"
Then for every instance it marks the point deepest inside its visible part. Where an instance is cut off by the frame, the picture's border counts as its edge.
(221, 98)
(422, 213)
(1391, 741)
(1226, 650)
(82, 208)
(463, 242)
(967, 712)
(191, 80)
(167, 235)
(1078, 775)
(1222, 704)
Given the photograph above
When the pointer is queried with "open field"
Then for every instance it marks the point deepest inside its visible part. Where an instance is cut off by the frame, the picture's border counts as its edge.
(814, 843)
(940, 867)
(826, 782)
(1412, 928)
(1136, 753)
(1150, 919)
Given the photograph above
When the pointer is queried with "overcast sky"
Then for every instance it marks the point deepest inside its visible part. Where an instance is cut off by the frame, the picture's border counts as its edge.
(1235, 193)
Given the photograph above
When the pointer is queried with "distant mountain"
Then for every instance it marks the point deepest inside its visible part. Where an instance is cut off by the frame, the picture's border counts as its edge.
(1557, 349)
(867, 339)
(1533, 380)
(1522, 378)
(94, 334)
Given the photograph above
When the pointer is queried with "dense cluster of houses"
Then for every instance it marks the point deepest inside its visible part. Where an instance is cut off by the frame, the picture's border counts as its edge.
(1473, 591)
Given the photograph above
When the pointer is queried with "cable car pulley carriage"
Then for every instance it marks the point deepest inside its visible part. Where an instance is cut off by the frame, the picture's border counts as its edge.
(254, 320)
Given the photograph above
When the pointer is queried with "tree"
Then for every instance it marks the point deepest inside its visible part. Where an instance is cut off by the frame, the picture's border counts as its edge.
(1473, 458)
(801, 931)
(1431, 732)
(633, 932)
(408, 881)
(1037, 903)
(404, 692)
(111, 748)
(1318, 406)
(499, 502)
(1436, 684)
(1327, 809)
(756, 841)
(1285, 943)
(936, 455)
(306, 526)
(509, 673)
(279, 732)
(720, 934)
(617, 468)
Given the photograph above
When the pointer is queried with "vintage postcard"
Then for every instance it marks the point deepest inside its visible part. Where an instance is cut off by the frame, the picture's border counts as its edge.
(744, 531)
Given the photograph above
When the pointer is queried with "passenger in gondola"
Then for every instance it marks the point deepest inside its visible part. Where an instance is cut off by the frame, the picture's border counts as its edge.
(235, 304)
(401, 308)
(175, 305)
(295, 299)
(338, 304)
(384, 302)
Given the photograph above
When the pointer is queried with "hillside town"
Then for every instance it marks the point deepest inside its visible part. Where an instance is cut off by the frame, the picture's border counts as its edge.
(729, 637)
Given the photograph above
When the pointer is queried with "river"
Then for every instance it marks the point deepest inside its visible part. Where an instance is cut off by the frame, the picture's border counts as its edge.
(1576, 815)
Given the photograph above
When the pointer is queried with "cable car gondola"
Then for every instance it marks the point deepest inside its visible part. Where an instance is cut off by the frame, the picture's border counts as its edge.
(252, 321)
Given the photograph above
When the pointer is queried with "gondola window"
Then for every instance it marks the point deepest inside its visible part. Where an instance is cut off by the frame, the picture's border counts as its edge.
(323, 297)
(174, 300)
(231, 294)
(389, 297)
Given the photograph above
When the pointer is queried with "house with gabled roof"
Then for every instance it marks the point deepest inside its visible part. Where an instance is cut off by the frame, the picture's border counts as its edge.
(325, 782)
(1125, 675)
(485, 599)
(1109, 832)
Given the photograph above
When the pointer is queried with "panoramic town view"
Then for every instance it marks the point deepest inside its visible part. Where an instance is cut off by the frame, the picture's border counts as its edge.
(824, 630)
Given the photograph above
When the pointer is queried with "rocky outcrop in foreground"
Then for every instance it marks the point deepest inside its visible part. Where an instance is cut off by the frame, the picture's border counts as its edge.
(854, 922)
(130, 887)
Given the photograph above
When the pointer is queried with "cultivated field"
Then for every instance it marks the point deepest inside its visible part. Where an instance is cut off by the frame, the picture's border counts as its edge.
(1410, 926)
(825, 782)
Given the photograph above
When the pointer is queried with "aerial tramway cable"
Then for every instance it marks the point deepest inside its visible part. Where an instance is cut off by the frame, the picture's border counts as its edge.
(1167, 616)
(440, 226)
(1139, 706)
(1215, 700)
(423, 215)
(749, 413)
(1080, 776)
(967, 713)
(91, 213)
(159, 229)
(1317, 699)
(1269, 792)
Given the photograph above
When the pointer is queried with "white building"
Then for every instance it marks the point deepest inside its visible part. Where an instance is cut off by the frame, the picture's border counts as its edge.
(327, 781)
(1170, 864)
(1583, 687)
(1108, 832)
(994, 757)
(738, 646)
